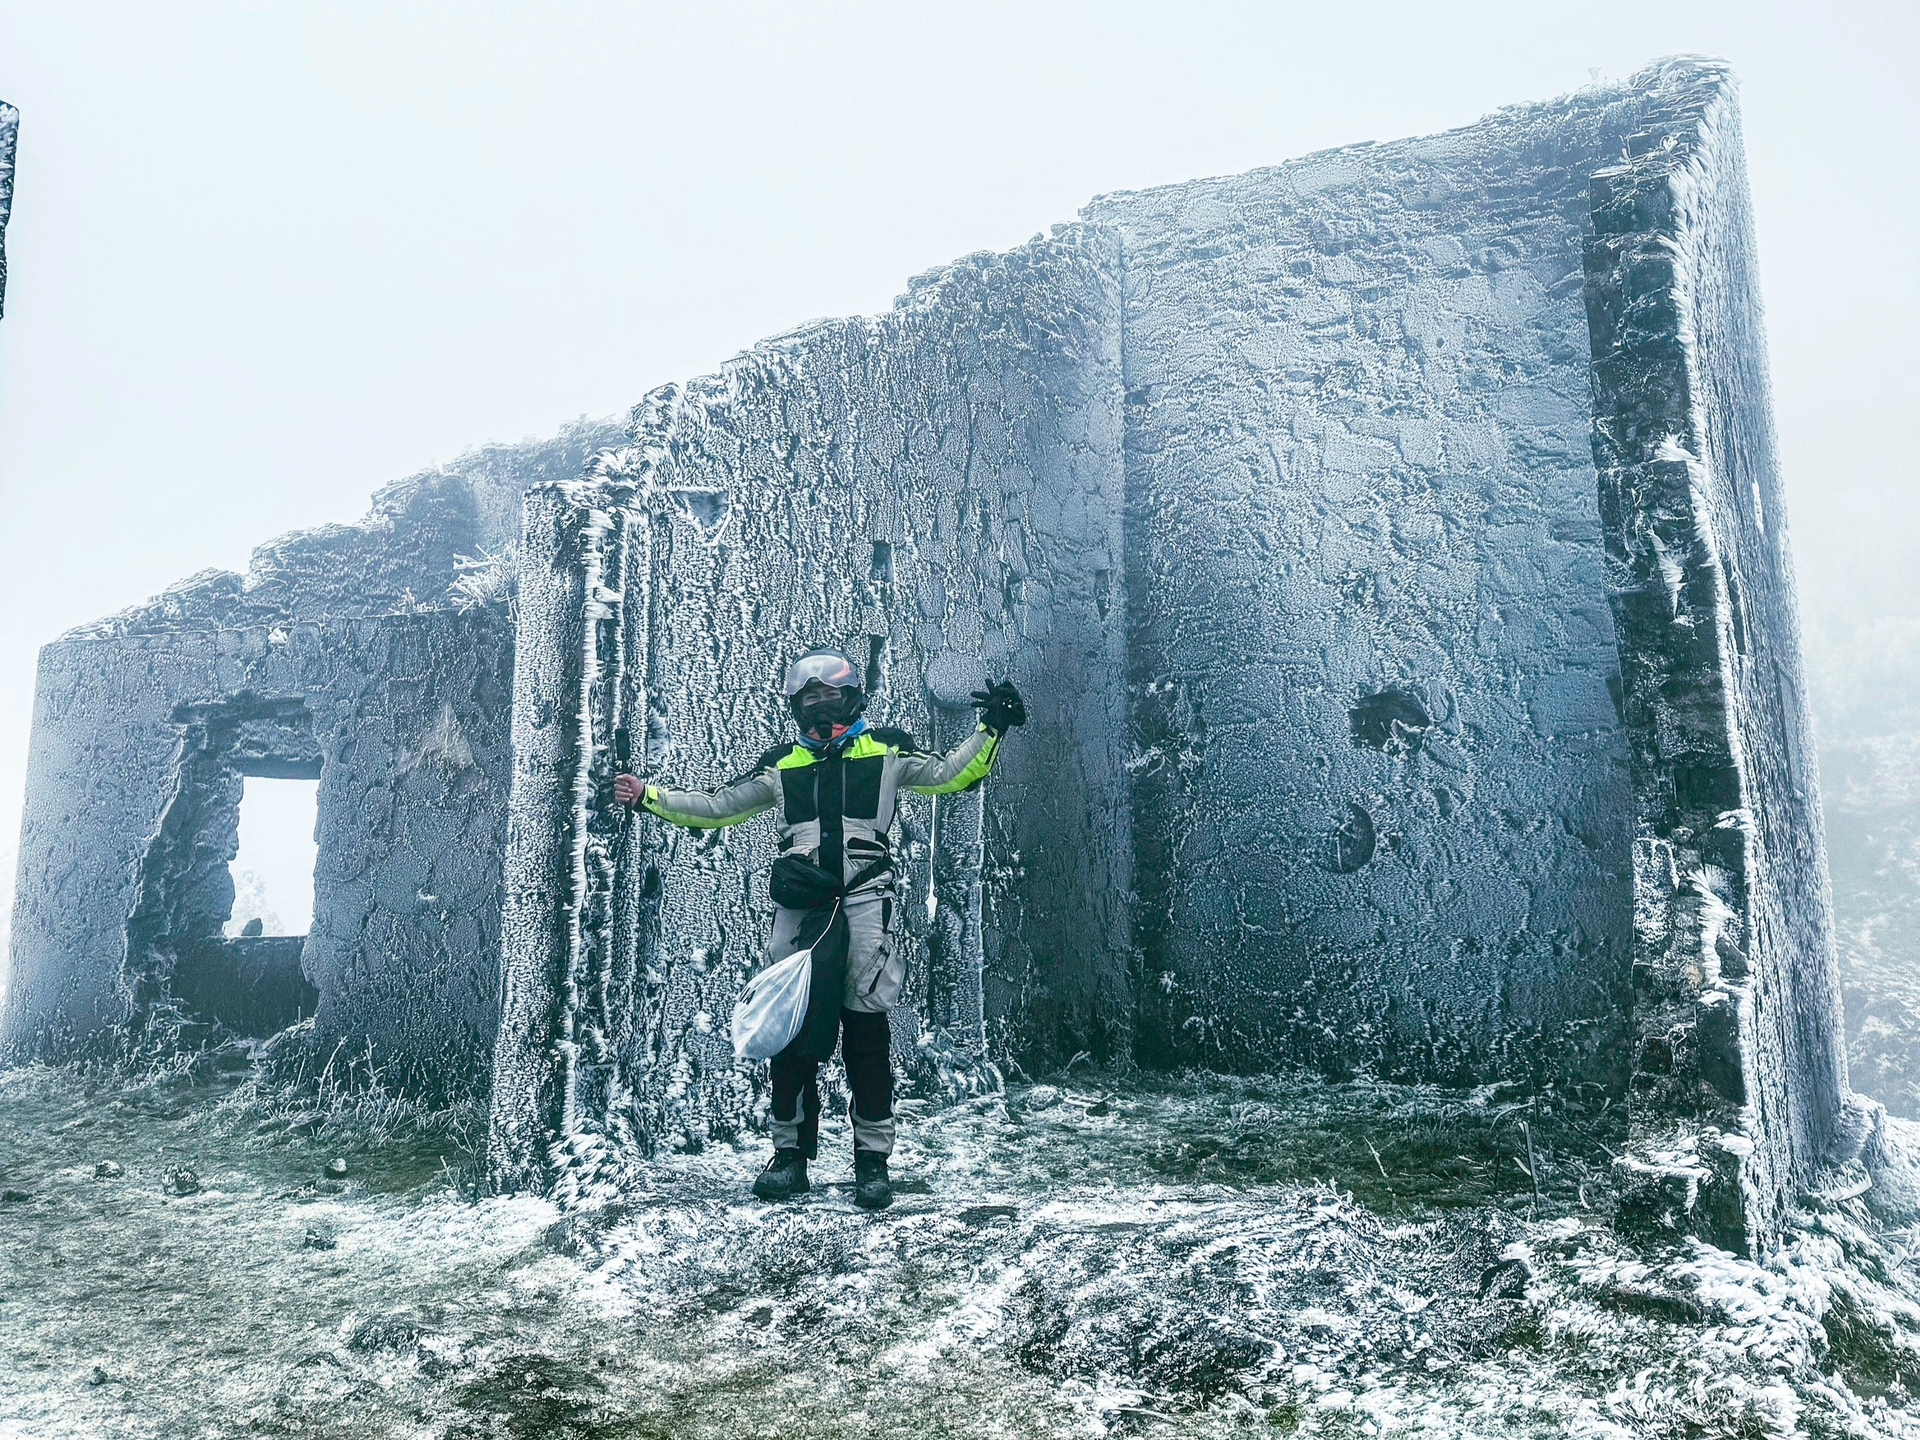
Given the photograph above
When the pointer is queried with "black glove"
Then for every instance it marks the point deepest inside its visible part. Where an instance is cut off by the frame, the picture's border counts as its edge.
(1001, 707)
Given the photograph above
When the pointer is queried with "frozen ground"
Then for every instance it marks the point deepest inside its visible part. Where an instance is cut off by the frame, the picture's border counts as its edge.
(1193, 1257)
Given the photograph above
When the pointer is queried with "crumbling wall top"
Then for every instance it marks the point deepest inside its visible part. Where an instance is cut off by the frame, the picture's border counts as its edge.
(441, 539)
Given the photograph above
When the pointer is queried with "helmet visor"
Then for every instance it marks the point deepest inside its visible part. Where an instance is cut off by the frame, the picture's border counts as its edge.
(829, 667)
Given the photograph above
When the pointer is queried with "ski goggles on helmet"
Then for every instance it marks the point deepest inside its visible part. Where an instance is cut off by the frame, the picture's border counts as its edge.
(829, 667)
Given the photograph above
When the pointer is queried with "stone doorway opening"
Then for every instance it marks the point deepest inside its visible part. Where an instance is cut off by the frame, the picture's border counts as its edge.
(191, 973)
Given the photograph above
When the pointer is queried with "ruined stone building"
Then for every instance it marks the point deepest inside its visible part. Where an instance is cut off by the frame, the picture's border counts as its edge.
(1390, 546)
(9, 136)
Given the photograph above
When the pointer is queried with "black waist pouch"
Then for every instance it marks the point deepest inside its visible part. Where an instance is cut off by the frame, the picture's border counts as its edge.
(799, 884)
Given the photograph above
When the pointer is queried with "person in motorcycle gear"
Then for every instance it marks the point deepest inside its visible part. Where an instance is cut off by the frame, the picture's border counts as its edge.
(837, 787)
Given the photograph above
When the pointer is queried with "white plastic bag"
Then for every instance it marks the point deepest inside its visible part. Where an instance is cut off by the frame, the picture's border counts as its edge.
(773, 1007)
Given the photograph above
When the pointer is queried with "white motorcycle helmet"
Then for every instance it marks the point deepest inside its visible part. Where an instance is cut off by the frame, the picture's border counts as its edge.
(840, 697)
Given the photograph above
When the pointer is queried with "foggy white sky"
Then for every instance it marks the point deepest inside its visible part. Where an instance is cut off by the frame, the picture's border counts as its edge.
(274, 868)
(264, 258)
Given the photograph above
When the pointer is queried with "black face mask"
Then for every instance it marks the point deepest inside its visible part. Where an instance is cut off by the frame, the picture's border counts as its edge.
(819, 709)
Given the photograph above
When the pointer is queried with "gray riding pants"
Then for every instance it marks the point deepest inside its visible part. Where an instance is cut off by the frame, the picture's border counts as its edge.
(876, 971)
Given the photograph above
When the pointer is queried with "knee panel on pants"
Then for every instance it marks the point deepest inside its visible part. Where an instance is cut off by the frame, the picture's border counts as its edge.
(865, 1035)
(866, 1048)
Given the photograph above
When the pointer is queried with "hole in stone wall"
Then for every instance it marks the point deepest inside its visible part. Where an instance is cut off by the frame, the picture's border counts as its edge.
(1352, 843)
(1391, 720)
(705, 508)
(881, 571)
(1737, 611)
(273, 872)
(1102, 585)
(876, 676)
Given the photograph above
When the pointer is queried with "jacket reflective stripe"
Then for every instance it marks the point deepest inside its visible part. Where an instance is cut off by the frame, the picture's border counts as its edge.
(711, 810)
(958, 769)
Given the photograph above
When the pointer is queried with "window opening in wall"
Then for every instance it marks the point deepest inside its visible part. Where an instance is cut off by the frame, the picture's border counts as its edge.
(186, 939)
(876, 676)
(273, 873)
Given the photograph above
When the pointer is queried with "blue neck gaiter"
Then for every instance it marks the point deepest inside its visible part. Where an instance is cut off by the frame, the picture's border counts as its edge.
(827, 747)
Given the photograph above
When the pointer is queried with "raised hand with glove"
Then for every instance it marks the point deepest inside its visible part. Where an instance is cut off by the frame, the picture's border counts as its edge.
(1001, 707)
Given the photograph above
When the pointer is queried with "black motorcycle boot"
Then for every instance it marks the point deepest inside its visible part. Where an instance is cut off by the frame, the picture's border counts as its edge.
(872, 1190)
(784, 1177)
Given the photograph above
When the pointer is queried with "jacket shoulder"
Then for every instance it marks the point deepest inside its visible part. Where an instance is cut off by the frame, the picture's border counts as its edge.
(766, 762)
(901, 740)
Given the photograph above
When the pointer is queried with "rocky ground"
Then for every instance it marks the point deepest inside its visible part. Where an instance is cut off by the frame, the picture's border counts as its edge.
(1193, 1257)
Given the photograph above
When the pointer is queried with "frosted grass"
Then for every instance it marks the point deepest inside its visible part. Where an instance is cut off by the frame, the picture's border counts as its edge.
(1087, 1258)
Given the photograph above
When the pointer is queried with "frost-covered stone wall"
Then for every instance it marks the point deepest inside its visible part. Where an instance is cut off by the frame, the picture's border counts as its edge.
(939, 491)
(376, 658)
(1389, 802)
(9, 135)
(1738, 1069)
(401, 718)
(1382, 804)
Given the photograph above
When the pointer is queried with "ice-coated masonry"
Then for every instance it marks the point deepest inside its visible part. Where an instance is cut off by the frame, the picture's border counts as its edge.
(1389, 544)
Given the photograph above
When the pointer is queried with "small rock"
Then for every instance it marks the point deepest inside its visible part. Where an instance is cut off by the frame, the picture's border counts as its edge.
(761, 1316)
(181, 1181)
(1099, 1107)
(435, 1358)
(14, 1197)
(336, 1169)
(1042, 1097)
(383, 1332)
(978, 1215)
(318, 1237)
(107, 1170)
(1655, 1304)
(1506, 1280)
(1315, 1321)
(98, 1377)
